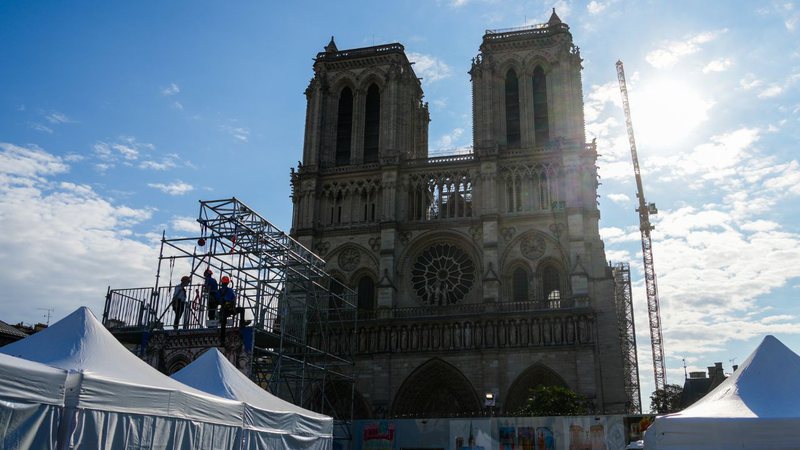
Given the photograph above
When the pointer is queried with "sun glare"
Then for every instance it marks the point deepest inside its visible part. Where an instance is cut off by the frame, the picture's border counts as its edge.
(665, 112)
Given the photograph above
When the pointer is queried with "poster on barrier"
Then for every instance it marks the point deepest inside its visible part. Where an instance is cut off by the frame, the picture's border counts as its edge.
(475, 434)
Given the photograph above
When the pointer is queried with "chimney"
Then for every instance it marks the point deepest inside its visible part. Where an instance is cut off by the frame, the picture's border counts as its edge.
(695, 375)
(735, 366)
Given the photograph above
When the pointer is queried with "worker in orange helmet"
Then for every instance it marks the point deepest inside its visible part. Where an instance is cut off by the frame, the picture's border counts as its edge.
(227, 297)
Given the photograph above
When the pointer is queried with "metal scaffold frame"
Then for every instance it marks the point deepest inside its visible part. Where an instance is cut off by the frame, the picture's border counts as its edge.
(627, 333)
(284, 291)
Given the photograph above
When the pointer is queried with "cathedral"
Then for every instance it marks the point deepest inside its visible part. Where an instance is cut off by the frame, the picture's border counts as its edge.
(478, 276)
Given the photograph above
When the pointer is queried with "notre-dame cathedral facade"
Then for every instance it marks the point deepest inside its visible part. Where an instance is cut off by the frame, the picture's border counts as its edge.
(475, 273)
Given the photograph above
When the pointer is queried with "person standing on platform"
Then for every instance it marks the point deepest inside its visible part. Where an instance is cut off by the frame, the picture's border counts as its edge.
(212, 294)
(179, 299)
(227, 297)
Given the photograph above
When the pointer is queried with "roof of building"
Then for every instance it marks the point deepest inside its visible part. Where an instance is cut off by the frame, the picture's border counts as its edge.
(8, 330)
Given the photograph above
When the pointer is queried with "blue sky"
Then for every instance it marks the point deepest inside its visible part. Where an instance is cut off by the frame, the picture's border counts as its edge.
(116, 117)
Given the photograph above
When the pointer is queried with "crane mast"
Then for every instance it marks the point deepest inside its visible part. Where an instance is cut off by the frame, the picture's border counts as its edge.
(645, 210)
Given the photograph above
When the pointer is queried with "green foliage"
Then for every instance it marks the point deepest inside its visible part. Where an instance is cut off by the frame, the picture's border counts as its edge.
(554, 401)
(667, 400)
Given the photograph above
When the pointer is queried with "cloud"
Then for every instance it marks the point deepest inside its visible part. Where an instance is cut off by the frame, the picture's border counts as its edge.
(167, 162)
(622, 199)
(176, 188)
(170, 90)
(128, 150)
(64, 233)
(773, 90)
(429, 67)
(718, 65)
(673, 51)
(185, 225)
(750, 82)
(241, 134)
(56, 117)
(39, 127)
(596, 7)
(449, 140)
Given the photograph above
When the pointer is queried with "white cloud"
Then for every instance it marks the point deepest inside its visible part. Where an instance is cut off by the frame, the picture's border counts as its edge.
(39, 127)
(673, 51)
(750, 82)
(56, 117)
(448, 141)
(170, 90)
(773, 90)
(167, 162)
(596, 7)
(622, 199)
(718, 65)
(176, 188)
(64, 233)
(128, 150)
(185, 224)
(429, 67)
(241, 134)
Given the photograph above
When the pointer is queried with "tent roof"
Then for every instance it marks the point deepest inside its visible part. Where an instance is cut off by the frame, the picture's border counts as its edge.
(30, 381)
(79, 342)
(765, 385)
(213, 373)
(114, 379)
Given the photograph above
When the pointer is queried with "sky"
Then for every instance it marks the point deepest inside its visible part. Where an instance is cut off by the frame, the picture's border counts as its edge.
(117, 117)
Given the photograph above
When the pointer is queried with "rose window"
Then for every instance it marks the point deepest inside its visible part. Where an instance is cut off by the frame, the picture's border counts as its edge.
(442, 275)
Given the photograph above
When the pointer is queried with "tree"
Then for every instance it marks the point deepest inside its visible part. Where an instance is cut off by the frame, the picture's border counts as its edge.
(554, 401)
(667, 400)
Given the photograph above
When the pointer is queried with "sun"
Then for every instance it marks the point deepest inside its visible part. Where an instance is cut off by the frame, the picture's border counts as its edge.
(666, 111)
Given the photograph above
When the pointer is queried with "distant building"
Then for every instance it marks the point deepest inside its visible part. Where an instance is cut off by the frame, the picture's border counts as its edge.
(10, 333)
(698, 384)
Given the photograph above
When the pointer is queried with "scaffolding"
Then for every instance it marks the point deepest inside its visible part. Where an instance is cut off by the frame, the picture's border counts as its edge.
(627, 335)
(291, 301)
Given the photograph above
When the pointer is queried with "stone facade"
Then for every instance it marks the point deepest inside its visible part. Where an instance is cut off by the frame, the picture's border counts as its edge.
(475, 273)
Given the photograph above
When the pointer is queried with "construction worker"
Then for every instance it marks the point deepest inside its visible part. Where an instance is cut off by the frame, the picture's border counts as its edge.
(179, 299)
(212, 291)
(227, 297)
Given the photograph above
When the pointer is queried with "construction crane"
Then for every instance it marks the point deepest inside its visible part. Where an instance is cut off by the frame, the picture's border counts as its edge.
(645, 210)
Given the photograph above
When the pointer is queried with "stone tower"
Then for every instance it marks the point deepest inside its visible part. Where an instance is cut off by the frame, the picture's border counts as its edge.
(478, 273)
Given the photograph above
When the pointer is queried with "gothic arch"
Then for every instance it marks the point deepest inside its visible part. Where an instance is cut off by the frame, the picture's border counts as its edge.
(546, 270)
(176, 363)
(540, 60)
(375, 76)
(366, 260)
(427, 238)
(513, 251)
(512, 283)
(357, 284)
(336, 401)
(537, 374)
(435, 389)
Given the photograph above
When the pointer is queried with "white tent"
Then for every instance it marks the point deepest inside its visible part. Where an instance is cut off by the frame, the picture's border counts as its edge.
(115, 400)
(757, 407)
(31, 403)
(269, 421)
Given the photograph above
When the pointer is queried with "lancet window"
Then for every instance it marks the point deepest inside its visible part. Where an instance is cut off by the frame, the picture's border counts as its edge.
(344, 127)
(350, 202)
(372, 124)
(531, 188)
(440, 196)
(541, 125)
(512, 109)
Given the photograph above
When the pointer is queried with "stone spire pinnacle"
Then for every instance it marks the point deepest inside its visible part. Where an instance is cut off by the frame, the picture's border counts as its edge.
(331, 47)
(554, 19)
